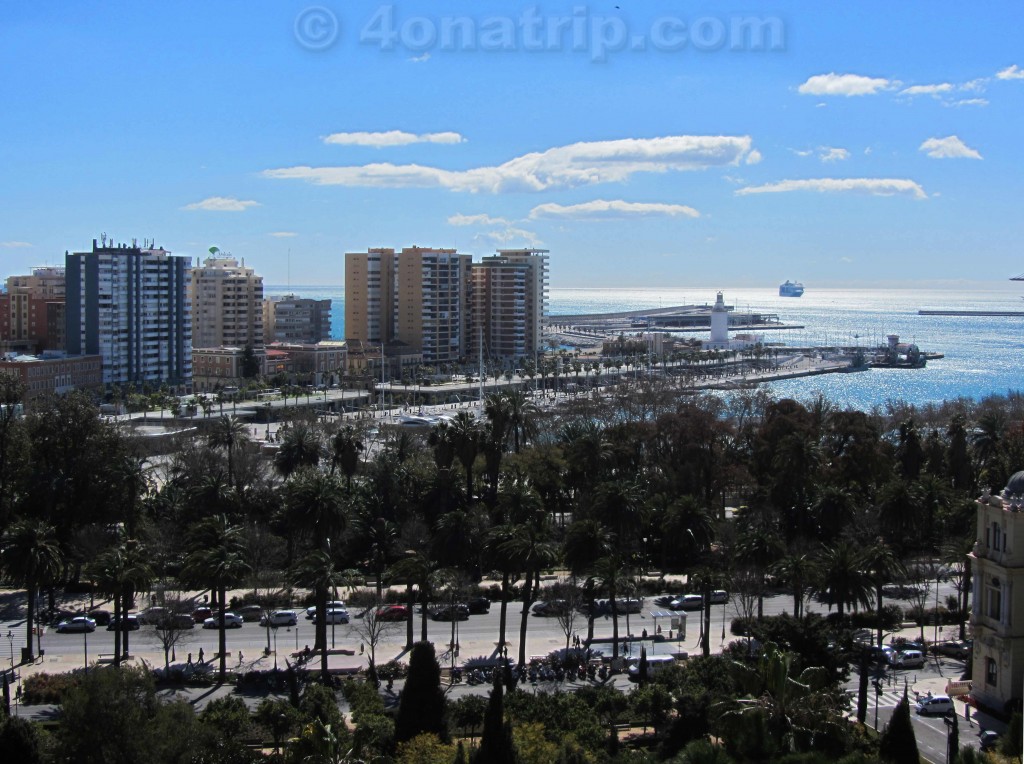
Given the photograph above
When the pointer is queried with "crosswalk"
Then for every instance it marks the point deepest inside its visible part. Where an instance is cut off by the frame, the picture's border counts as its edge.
(888, 698)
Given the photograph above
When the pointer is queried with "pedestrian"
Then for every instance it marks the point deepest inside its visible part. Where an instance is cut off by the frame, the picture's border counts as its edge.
(967, 713)
(201, 653)
(189, 662)
(361, 646)
(240, 657)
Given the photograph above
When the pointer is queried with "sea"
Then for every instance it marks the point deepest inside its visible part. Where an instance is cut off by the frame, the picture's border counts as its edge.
(983, 354)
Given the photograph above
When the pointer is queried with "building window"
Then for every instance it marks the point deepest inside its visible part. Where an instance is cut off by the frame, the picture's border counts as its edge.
(994, 599)
(996, 534)
(990, 671)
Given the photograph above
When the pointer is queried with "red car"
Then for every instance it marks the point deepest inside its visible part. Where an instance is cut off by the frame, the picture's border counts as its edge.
(392, 613)
(200, 614)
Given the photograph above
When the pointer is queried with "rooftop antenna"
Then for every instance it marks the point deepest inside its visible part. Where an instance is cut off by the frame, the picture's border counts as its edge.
(103, 239)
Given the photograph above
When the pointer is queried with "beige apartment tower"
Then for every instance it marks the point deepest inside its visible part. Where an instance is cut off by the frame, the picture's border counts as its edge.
(227, 304)
(369, 287)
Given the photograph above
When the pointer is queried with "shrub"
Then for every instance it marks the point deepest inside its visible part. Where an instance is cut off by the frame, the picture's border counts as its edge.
(48, 688)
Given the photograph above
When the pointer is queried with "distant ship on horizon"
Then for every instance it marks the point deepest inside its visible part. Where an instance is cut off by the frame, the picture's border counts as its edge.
(791, 289)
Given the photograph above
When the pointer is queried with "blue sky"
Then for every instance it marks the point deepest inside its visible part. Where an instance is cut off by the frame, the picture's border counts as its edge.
(644, 144)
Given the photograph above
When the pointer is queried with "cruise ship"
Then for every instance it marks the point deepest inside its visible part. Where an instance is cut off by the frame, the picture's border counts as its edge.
(791, 289)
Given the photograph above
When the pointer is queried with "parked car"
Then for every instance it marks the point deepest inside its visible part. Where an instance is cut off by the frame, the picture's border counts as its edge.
(479, 606)
(200, 614)
(250, 612)
(128, 622)
(102, 617)
(280, 618)
(151, 615)
(311, 610)
(76, 625)
(392, 613)
(719, 597)
(335, 615)
(908, 659)
(628, 604)
(952, 649)
(176, 621)
(231, 621)
(456, 612)
(549, 608)
(937, 705)
(989, 739)
(666, 599)
(687, 602)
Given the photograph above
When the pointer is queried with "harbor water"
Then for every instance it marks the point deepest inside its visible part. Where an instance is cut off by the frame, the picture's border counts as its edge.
(982, 353)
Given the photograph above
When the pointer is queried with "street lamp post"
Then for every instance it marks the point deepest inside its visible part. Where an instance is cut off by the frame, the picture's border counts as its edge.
(10, 640)
(85, 649)
(275, 648)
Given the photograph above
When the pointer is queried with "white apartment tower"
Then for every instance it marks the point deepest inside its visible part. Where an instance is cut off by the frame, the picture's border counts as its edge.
(129, 305)
(227, 304)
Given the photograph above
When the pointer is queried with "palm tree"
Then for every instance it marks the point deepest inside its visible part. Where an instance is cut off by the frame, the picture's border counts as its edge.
(610, 573)
(346, 448)
(228, 433)
(217, 560)
(521, 412)
(796, 709)
(316, 507)
(416, 567)
(30, 556)
(586, 542)
(844, 581)
(318, 572)
(122, 571)
(529, 547)
(882, 566)
(466, 440)
(381, 538)
(300, 447)
(800, 570)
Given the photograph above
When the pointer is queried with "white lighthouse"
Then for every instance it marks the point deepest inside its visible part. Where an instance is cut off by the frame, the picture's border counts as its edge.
(719, 323)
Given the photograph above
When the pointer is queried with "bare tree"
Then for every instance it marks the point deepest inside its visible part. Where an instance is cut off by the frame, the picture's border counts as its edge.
(569, 594)
(746, 585)
(175, 628)
(373, 628)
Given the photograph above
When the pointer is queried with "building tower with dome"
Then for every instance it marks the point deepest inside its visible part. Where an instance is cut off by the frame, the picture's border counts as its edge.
(997, 617)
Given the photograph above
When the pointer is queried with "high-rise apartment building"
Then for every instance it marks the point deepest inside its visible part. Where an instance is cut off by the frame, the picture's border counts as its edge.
(32, 311)
(227, 304)
(418, 297)
(509, 302)
(130, 306)
(369, 294)
(440, 304)
(296, 319)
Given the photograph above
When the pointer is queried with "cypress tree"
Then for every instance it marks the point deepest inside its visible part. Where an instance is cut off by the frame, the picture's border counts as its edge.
(898, 744)
(641, 669)
(422, 707)
(496, 745)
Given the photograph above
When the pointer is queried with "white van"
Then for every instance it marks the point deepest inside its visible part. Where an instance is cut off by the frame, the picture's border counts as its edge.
(687, 602)
(655, 664)
(908, 659)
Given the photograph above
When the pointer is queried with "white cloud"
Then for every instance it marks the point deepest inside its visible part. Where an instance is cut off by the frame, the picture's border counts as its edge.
(968, 102)
(754, 157)
(421, 59)
(14, 244)
(391, 138)
(944, 87)
(948, 148)
(830, 154)
(221, 204)
(1012, 72)
(602, 209)
(843, 85)
(874, 186)
(846, 259)
(802, 152)
(509, 235)
(578, 164)
(283, 234)
(482, 219)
